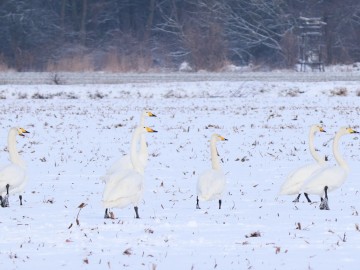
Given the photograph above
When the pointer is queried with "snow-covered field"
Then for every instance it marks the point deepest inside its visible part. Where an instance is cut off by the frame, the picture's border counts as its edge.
(78, 130)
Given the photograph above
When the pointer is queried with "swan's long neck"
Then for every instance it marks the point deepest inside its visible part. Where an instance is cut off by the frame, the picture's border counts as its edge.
(339, 159)
(133, 150)
(214, 155)
(143, 144)
(312, 148)
(14, 154)
(142, 120)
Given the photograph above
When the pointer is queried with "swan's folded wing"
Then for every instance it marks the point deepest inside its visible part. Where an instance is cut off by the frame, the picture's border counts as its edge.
(330, 176)
(211, 184)
(13, 175)
(123, 184)
(297, 178)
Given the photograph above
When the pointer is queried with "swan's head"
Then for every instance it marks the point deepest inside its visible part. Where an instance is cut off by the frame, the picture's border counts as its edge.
(350, 130)
(346, 130)
(320, 128)
(317, 128)
(148, 114)
(218, 137)
(22, 131)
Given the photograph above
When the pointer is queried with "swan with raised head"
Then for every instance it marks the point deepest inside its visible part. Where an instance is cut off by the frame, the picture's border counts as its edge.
(13, 177)
(330, 178)
(211, 183)
(125, 161)
(125, 186)
(297, 178)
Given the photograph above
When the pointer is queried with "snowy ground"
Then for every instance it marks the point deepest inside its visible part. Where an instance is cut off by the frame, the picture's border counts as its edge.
(78, 130)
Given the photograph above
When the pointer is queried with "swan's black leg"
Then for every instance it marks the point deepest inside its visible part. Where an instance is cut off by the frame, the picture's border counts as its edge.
(136, 211)
(324, 203)
(107, 213)
(307, 197)
(20, 197)
(219, 204)
(1, 201)
(197, 203)
(297, 198)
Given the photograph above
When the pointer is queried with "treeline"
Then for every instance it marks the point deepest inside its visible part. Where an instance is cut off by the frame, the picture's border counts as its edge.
(142, 35)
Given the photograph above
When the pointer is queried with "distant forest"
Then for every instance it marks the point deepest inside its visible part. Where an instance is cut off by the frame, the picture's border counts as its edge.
(143, 35)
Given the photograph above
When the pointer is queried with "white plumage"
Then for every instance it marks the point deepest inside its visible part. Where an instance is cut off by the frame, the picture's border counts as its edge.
(297, 178)
(211, 183)
(125, 186)
(329, 178)
(125, 161)
(13, 177)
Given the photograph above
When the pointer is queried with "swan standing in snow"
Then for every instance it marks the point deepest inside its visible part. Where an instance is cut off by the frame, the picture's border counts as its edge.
(296, 179)
(125, 162)
(13, 176)
(332, 177)
(125, 186)
(211, 183)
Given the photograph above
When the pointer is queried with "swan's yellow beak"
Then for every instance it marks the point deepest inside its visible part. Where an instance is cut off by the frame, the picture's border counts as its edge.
(150, 114)
(321, 129)
(21, 132)
(150, 129)
(350, 130)
(222, 138)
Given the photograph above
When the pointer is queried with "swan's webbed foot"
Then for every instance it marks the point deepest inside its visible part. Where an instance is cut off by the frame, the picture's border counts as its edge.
(307, 197)
(197, 203)
(219, 204)
(136, 212)
(297, 198)
(324, 205)
(107, 213)
(5, 201)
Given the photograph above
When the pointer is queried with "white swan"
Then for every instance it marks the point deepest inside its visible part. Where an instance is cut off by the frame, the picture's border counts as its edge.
(125, 162)
(125, 186)
(13, 176)
(211, 183)
(296, 179)
(332, 177)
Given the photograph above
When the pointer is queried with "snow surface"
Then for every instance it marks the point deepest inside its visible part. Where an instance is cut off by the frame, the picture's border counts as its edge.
(78, 130)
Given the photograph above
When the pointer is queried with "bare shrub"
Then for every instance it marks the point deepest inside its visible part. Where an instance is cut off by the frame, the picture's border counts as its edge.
(207, 47)
(289, 45)
(3, 65)
(77, 63)
(339, 91)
